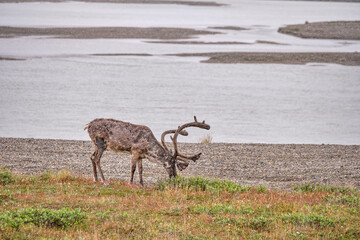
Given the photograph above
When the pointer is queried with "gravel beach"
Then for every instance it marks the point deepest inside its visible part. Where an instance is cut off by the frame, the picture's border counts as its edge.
(347, 59)
(188, 3)
(323, 30)
(277, 166)
(104, 32)
(345, 30)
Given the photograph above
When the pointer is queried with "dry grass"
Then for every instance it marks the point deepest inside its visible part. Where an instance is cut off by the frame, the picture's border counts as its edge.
(194, 208)
(206, 139)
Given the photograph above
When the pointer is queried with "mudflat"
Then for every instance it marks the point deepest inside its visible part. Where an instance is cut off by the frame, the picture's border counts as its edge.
(343, 58)
(277, 166)
(346, 30)
(189, 3)
(337, 30)
(103, 32)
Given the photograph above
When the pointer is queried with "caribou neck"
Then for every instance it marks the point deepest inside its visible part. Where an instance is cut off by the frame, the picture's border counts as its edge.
(157, 153)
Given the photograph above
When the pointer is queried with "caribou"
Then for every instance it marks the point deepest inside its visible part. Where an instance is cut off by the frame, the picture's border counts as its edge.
(116, 135)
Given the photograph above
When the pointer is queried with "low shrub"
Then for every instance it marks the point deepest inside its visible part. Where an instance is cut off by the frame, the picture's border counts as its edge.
(261, 189)
(256, 223)
(308, 187)
(216, 209)
(343, 199)
(309, 219)
(260, 223)
(206, 139)
(6, 176)
(173, 212)
(63, 175)
(202, 184)
(62, 218)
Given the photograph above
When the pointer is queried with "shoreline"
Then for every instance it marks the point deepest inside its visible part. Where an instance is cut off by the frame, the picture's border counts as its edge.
(162, 35)
(276, 166)
(179, 2)
(186, 143)
(297, 58)
(337, 30)
(289, 58)
(341, 30)
(103, 32)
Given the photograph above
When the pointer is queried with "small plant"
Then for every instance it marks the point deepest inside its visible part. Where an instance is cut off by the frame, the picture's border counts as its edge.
(103, 215)
(308, 187)
(297, 235)
(202, 184)
(63, 175)
(343, 199)
(260, 223)
(5, 198)
(206, 139)
(309, 219)
(62, 218)
(173, 212)
(216, 209)
(223, 209)
(46, 176)
(305, 188)
(229, 221)
(261, 189)
(6, 176)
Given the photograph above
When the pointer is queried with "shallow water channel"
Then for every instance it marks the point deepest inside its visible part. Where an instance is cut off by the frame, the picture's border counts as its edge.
(60, 86)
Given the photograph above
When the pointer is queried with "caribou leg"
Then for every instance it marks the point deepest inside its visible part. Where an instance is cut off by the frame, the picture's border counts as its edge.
(94, 165)
(101, 146)
(134, 159)
(140, 171)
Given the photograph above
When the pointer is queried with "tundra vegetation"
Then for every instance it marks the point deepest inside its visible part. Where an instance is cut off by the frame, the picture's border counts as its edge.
(61, 205)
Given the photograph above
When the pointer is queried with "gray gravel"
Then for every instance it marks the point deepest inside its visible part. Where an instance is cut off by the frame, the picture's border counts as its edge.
(343, 58)
(189, 3)
(349, 30)
(103, 32)
(273, 165)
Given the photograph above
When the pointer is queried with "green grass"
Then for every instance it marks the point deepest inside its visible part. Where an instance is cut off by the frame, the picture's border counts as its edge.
(206, 139)
(60, 205)
(311, 219)
(61, 218)
(6, 176)
(202, 184)
(351, 200)
(324, 188)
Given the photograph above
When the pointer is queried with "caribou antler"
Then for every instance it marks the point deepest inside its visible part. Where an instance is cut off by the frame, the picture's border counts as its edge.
(202, 125)
(182, 161)
(183, 133)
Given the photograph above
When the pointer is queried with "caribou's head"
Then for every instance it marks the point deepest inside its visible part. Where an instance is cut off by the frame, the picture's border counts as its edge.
(177, 159)
(169, 165)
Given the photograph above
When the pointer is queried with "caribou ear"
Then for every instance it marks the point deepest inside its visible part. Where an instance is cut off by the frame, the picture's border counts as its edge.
(181, 165)
(167, 165)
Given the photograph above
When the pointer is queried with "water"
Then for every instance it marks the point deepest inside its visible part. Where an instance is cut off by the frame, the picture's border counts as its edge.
(60, 87)
(262, 18)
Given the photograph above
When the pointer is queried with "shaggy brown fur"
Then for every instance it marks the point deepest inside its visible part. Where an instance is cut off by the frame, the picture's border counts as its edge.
(115, 135)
